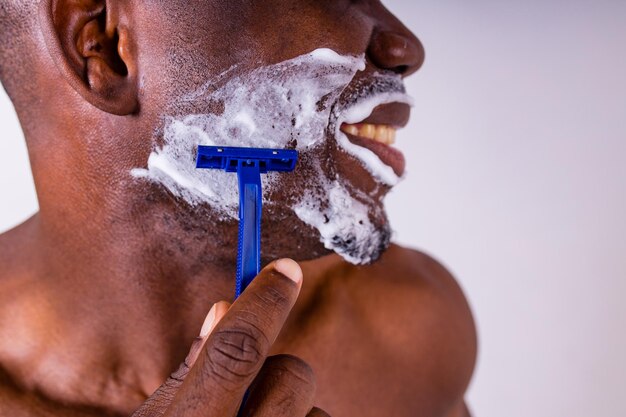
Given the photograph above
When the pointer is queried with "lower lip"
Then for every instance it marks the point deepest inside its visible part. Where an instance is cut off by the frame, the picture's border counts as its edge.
(387, 154)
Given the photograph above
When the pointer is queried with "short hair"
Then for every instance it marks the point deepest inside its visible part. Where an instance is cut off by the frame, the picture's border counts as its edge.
(18, 22)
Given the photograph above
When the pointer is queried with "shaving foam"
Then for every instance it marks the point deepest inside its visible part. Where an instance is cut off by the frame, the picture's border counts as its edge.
(291, 104)
(277, 106)
(343, 223)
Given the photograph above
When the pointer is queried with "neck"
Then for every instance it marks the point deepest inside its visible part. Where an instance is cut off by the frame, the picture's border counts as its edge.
(130, 279)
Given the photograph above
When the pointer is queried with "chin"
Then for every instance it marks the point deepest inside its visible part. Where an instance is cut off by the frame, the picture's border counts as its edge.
(332, 222)
(362, 251)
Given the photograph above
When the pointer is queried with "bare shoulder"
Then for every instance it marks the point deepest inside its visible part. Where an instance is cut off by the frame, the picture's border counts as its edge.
(423, 318)
(415, 282)
(16, 402)
(421, 275)
(18, 260)
(16, 246)
(16, 265)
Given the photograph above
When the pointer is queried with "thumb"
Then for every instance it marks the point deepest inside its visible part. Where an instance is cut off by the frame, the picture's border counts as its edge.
(157, 404)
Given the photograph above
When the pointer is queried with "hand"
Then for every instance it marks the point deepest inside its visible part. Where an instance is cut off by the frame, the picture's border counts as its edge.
(230, 357)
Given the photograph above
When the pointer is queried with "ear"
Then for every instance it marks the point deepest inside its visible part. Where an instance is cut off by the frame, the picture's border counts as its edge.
(93, 51)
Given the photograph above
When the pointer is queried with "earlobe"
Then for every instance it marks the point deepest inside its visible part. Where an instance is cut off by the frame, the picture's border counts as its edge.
(93, 51)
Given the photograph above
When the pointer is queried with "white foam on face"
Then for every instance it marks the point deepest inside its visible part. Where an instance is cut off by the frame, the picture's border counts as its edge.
(269, 107)
(343, 223)
(285, 105)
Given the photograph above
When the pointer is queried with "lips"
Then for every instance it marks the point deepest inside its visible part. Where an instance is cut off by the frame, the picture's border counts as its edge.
(377, 133)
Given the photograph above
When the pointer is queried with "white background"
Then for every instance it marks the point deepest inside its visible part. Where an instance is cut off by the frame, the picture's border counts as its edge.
(517, 182)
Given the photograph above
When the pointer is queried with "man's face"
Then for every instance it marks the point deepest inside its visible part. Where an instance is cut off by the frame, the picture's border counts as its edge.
(320, 76)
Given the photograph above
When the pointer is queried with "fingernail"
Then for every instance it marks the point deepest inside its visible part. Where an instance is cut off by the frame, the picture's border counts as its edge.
(208, 322)
(290, 269)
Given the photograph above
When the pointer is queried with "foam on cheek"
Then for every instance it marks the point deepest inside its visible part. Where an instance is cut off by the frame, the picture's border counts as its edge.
(284, 105)
(278, 106)
(174, 166)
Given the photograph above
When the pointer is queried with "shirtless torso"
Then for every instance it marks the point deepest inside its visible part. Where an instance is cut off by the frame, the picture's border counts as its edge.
(392, 339)
(103, 293)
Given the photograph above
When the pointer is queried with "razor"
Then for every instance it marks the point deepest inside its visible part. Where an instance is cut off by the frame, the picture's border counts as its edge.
(249, 164)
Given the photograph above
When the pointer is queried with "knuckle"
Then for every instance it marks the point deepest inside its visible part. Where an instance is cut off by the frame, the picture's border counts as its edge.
(293, 368)
(293, 380)
(236, 354)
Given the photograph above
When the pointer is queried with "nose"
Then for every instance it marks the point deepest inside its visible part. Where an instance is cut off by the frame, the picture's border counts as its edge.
(397, 50)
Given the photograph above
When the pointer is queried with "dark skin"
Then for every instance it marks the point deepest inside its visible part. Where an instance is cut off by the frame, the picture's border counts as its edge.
(103, 293)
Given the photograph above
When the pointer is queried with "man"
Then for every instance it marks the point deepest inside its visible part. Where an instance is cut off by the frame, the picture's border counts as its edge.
(105, 292)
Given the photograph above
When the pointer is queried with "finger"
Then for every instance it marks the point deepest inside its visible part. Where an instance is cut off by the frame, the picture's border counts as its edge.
(285, 387)
(317, 412)
(218, 311)
(159, 401)
(237, 347)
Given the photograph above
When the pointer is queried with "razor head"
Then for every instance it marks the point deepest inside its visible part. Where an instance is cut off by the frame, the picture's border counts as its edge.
(231, 158)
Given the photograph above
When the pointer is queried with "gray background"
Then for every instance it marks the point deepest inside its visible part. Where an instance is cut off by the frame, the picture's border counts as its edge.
(516, 182)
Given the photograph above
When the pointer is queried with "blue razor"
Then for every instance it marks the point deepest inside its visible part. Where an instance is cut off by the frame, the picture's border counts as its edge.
(249, 164)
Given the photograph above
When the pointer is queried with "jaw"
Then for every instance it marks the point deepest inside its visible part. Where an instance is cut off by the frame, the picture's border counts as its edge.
(329, 204)
(332, 201)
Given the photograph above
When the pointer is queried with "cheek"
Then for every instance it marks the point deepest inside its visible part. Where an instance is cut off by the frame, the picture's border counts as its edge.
(318, 170)
(313, 172)
(334, 24)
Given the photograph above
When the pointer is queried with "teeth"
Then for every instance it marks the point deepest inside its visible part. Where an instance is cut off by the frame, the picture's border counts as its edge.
(380, 133)
(350, 129)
